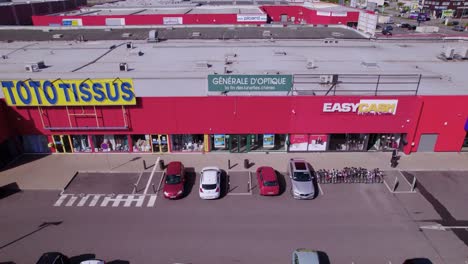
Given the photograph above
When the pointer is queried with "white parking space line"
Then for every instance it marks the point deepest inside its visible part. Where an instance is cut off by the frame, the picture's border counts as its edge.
(152, 200)
(119, 198)
(71, 201)
(61, 199)
(83, 200)
(320, 189)
(138, 182)
(151, 176)
(95, 200)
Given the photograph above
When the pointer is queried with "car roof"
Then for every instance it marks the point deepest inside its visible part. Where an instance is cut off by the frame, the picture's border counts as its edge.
(49, 257)
(209, 176)
(173, 168)
(300, 164)
(305, 256)
(268, 173)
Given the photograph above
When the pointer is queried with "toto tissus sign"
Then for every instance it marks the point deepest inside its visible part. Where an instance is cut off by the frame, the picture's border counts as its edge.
(69, 92)
(373, 107)
(249, 83)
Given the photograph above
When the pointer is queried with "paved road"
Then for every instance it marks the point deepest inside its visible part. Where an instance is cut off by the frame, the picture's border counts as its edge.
(360, 223)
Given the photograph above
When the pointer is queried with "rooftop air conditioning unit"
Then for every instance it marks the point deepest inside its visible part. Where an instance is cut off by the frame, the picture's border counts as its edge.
(31, 67)
(129, 45)
(464, 53)
(311, 64)
(153, 36)
(123, 66)
(449, 53)
(325, 79)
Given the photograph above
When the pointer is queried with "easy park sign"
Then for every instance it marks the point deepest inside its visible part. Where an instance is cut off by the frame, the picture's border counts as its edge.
(249, 83)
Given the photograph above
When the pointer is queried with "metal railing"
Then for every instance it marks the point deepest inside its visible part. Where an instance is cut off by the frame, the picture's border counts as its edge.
(356, 84)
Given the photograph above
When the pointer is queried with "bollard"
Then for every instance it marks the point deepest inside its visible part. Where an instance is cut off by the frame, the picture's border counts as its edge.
(246, 163)
(229, 164)
(161, 164)
(144, 164)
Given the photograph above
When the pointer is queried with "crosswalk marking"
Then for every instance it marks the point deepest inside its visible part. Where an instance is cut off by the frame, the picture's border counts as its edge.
(106, 200)
(71, 201)
(119, 198)
(83, 200)
(92, 200)
(95, 200)
(60, 200)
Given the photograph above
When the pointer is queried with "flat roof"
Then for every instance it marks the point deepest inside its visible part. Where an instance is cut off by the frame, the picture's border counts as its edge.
(183, 65)
(226, 10)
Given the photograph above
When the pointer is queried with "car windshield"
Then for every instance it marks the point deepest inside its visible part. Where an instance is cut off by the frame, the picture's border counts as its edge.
(301, 176)
(209, 186)
(270, 183)
(173, 179)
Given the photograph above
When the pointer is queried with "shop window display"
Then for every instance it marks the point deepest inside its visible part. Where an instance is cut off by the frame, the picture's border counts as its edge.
(187, 143)
(141, 143)
(348, 142)
(268, 142)
(385, 142)
(108, 143)
(81, 143)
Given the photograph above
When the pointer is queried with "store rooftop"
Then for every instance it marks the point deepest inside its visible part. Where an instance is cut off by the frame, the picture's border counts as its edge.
(179, 62)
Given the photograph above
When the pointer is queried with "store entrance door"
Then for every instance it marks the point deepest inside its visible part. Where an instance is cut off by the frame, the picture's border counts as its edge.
(239, 143)
(160, 143)
(62, 143)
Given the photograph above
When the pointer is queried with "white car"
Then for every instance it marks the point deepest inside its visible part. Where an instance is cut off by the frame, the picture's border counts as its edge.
(210, 183)
(93, 261)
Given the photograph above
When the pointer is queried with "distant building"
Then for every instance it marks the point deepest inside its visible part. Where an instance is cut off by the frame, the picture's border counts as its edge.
(440, 8)
(21, 12)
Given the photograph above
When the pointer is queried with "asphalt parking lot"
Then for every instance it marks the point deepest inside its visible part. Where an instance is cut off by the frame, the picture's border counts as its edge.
(351, 223)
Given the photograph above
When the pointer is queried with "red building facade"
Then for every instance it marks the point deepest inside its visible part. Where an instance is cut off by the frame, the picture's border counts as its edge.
(243, 124)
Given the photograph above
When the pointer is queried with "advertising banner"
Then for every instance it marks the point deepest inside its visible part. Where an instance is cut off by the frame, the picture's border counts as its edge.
(251, 18)
(298, 142)
(173, 20)
(72, 22)
(88, 92)
(220, 141)
(317, 143)
(249, 83)
(447, 13)
(268, 140)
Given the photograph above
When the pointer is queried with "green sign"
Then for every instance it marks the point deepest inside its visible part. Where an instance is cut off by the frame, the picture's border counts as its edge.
(249, 83)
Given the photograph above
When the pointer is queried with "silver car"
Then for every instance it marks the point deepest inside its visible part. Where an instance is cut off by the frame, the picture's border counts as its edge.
(301, 179)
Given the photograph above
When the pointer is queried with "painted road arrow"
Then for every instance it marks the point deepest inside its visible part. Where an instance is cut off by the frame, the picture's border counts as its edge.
(441, 227)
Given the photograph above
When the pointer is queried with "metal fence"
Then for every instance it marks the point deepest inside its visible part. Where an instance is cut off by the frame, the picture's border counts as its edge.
(356, 84)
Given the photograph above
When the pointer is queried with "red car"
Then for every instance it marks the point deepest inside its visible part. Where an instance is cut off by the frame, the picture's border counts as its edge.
(174, 181)
(267, 181)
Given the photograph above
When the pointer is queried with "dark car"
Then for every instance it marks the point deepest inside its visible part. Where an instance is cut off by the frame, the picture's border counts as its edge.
(175, 179)
(53, 258)
(459, 28)
(405, 25)
(387, 28)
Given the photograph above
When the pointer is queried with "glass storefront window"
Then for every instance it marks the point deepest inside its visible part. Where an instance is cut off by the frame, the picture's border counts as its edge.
(81, 143)
(348, 142)
(141, 143)
(385, 142)
(35, 144)
(268, 142)
(187, 143)
(107, 143)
